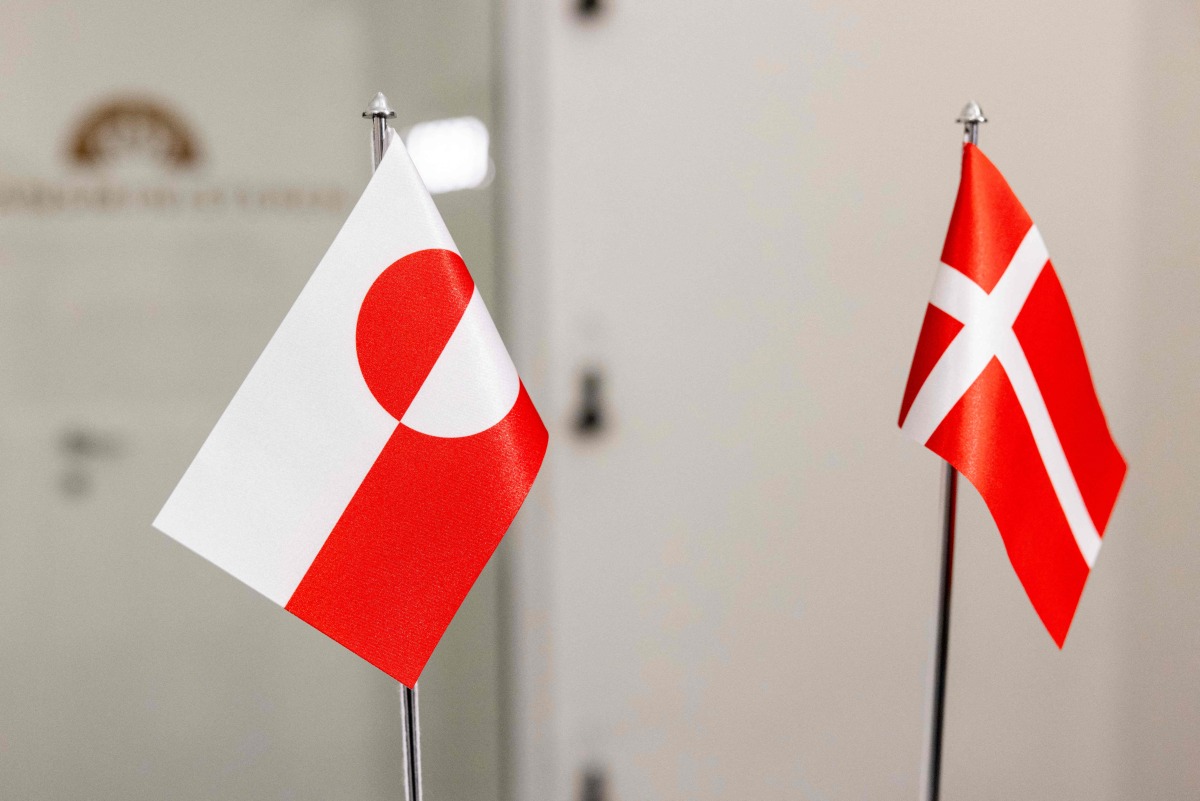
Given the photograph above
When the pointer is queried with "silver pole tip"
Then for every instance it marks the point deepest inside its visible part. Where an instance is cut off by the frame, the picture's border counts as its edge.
(379, 107)
(971, 113)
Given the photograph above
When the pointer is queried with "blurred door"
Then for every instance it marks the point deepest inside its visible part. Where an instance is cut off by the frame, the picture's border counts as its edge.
(725, 222)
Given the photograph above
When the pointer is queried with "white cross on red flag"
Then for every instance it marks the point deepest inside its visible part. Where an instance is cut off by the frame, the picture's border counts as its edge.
(1000, 389)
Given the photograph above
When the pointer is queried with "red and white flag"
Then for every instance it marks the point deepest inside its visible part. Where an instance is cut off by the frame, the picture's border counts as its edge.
(380, 447)
(1000, 389)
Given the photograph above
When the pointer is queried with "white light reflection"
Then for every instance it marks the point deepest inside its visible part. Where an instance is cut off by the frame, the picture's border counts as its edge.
(450, 154)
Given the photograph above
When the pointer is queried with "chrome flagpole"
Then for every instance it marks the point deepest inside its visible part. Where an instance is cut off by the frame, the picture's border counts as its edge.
(379, 112)
(972, 116)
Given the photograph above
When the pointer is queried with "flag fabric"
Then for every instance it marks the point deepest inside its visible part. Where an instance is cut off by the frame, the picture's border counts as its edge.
(380, 447)
(1000, 389)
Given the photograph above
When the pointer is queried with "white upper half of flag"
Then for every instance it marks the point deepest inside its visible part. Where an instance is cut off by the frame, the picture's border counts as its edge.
(288, 454)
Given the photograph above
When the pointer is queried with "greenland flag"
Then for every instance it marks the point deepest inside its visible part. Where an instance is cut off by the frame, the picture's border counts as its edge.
(380, 447)
(1001, 390)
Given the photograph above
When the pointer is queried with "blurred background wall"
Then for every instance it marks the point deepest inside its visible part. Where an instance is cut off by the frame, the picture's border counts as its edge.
(1158, 702)
(710, 240)
(731, 213)
(136, 291)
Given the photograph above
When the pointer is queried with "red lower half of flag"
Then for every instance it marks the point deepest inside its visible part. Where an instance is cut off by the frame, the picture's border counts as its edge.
(416, 535)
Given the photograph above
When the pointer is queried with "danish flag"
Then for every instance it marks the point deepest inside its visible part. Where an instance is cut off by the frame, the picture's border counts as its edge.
(380, 447)
(1000, 389)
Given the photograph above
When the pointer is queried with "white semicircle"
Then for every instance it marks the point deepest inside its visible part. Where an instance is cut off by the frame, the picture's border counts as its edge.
(473, 384)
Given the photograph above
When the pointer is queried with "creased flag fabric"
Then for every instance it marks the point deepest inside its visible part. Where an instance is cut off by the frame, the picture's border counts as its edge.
(381, 445)
(1000, 389)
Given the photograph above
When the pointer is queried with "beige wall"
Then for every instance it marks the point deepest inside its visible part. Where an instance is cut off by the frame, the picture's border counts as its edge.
(1159, 606)
(735, 211)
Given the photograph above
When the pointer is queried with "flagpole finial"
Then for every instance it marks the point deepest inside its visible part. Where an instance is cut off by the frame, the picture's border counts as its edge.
(971, 117)
(379, 107)
(379, 112)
